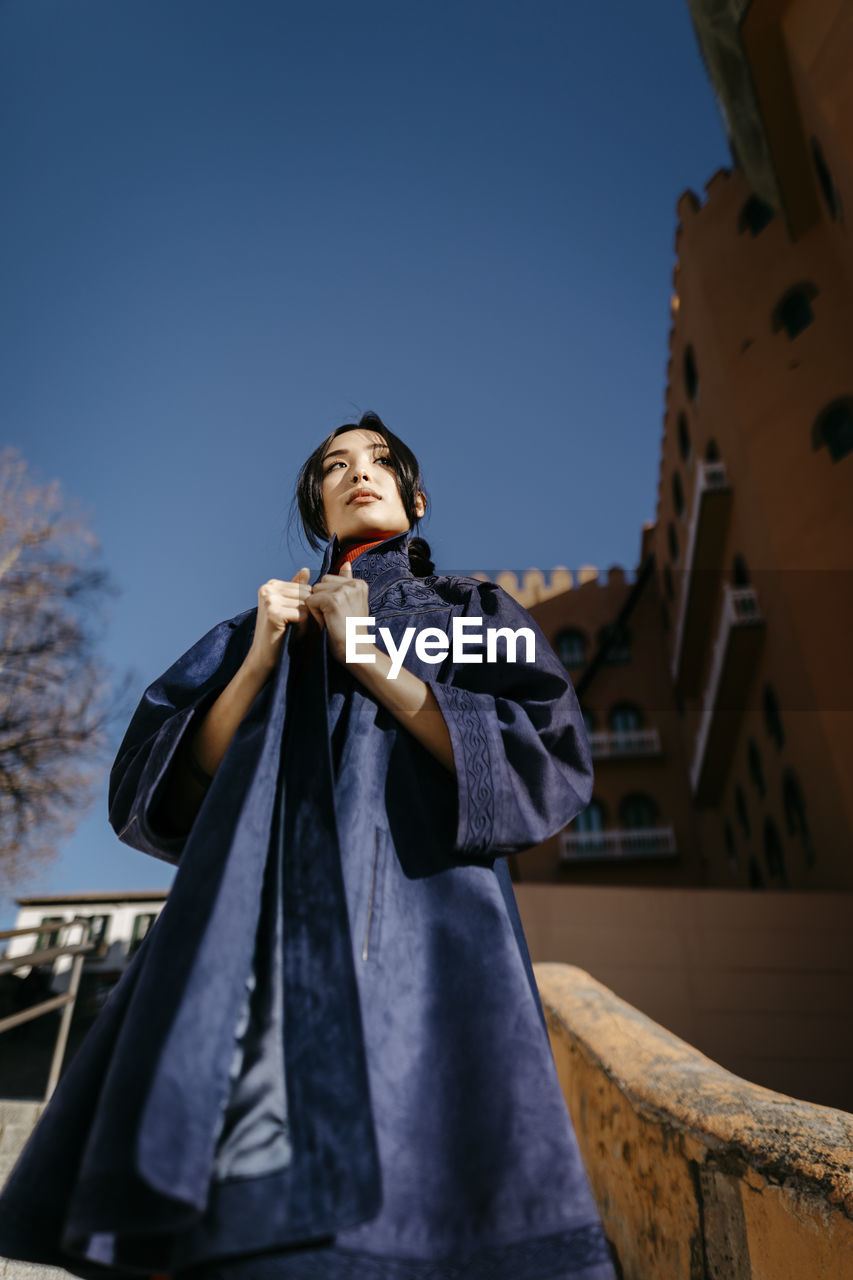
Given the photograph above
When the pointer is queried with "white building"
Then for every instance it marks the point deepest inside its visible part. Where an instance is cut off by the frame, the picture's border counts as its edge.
(116, 921)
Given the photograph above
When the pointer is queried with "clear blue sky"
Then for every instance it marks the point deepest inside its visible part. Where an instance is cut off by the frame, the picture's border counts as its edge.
(230, 225)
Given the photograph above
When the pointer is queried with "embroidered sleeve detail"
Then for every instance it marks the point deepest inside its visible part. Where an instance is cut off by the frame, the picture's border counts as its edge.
(469, 737)
(523, 763)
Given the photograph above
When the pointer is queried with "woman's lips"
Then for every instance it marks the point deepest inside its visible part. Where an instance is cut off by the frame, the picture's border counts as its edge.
(358, 499)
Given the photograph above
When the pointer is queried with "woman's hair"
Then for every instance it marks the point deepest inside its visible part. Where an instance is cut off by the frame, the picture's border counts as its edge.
(309, 489)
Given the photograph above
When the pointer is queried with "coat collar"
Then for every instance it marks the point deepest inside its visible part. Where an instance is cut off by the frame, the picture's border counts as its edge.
(379, 566)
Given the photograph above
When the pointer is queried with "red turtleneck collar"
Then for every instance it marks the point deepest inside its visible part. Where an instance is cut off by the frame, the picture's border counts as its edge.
(344, 557)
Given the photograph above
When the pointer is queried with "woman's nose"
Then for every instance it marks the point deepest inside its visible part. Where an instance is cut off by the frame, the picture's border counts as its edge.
(359, 475)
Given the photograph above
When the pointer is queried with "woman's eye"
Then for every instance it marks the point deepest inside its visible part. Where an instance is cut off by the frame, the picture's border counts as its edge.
(386, 458)
(331, 467)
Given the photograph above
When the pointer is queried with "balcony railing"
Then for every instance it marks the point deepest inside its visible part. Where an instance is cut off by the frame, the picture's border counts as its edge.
(702, 561)
(610, 744)
(736, 647)
(619, 845)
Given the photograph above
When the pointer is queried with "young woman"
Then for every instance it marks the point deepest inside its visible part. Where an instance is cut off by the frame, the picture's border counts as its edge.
(328, 1057)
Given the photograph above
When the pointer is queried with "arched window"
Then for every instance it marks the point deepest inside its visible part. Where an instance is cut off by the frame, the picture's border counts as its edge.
(638, 811)
(834, 428)
(793, 312)
(571, 647)
(794, 807)
(691, 375)
(712, 453)
(825, 180)
(754, 216)
(625, 717)
(740, 573)
(755, 770)
(772, 716)
(741, 811)
(756, 879)
(591, 818)
(684, 438)
(677, 494)
(774, 857)
(668, 583)
(731, 850)
(672, 539)
(616, 645)
(588, 719)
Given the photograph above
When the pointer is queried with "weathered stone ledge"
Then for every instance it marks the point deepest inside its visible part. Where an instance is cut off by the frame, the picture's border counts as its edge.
(697, 1172)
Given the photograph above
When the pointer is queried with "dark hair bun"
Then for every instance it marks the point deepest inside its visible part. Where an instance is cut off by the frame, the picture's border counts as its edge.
(419, 557)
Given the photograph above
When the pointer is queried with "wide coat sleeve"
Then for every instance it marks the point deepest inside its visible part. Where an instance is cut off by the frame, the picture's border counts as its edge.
(520, 747)
(167, 715)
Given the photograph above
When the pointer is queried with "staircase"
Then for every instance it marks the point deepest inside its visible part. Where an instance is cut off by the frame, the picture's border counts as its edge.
(698, 1174)
(17, 1120)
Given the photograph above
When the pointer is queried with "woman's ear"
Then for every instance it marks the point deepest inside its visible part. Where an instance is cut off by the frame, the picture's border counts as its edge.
(420, 504)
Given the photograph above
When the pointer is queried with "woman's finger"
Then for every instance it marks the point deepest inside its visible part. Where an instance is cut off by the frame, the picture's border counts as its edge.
(325, 588)
(329, 585)
(279, 615)
(276, 589)
(315, 609)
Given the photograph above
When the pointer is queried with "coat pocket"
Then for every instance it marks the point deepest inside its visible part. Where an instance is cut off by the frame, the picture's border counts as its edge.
(370, 940)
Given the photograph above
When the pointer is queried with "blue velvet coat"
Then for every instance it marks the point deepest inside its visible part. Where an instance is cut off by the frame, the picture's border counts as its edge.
(328, 1052)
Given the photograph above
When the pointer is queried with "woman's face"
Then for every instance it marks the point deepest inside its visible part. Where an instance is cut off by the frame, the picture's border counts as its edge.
(360, 495)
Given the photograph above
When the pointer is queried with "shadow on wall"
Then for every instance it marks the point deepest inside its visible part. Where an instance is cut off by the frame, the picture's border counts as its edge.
(762, 983)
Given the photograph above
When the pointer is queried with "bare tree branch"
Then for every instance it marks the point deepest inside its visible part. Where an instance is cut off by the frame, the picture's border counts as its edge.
(54, 691)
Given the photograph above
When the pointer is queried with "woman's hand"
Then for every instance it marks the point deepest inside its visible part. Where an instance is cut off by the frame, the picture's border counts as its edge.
(340, 596)
(280, 605)
(336, 597)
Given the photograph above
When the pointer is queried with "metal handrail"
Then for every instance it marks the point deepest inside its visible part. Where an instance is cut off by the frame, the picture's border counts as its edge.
(618, 843)
(624, 742)
(44, 955)
(66, 1002)
(52, 926)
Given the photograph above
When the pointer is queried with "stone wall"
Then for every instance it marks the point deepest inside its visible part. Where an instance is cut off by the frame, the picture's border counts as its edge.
(698, 1174)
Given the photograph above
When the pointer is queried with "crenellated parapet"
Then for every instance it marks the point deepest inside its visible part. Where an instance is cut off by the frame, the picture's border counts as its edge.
(532, 586)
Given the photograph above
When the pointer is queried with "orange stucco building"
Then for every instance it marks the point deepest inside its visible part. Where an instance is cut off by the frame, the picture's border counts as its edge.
(718, 683)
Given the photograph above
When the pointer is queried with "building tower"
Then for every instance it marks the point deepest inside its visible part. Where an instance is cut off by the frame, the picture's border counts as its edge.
(748, 567)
